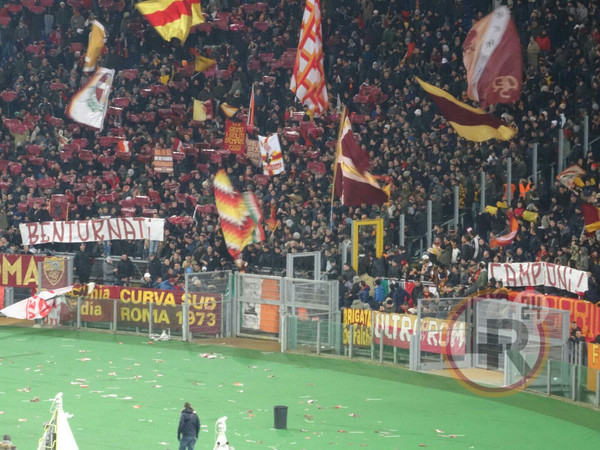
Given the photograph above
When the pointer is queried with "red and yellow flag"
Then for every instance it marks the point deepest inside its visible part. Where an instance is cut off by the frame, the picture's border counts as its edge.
(172, 18)
(308, 79)
(507, 239)
(473, 124)
(240, 215)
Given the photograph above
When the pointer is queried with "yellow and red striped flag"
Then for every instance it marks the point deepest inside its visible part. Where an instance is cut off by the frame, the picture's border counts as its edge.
(507, 239)
(172, 18)
(240, 215)
(308, 79)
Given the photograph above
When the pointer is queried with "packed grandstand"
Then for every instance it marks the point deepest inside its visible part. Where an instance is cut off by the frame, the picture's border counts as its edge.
(164, 97)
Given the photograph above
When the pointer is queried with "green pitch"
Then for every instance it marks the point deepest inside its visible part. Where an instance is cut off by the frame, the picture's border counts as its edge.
(126, 393)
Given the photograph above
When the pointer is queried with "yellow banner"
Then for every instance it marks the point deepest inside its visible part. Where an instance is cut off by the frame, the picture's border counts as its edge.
(361, 318)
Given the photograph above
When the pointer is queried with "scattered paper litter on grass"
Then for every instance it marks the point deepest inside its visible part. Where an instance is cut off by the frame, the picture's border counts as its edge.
(83, 386)
(136, 406)
(439, 431)
(85, 359)
(310, 402)
(163, 443)
(356, 432)
(126, 398)
(252, 367)
(422, 445)
(353, 415)
(83, 351)
(451, 435)
(25, 389)
(157, 386)
(1, 412)
(22, 420)
(374, 399)
(238, 384)
(110, 396)
(35, 399)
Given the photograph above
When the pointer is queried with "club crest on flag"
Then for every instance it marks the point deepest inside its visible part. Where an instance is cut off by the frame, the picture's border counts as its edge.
(54, 269)
(90, 103)
(270, 151)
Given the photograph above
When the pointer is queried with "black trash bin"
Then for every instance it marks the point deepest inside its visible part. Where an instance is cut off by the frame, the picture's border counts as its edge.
(280, 417)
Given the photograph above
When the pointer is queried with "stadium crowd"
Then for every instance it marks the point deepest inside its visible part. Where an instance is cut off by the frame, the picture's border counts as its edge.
(372, 51)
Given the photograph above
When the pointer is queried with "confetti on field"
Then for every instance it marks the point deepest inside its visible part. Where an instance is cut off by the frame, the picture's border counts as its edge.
(35, 400)
(439, 431)
(25, 389)
(451, 435)
(136, 406)
(22, 420)
(157, 386)
(83, 386)
(1, 412)
(353, 415)
(85, 359)
(238, 384)
(422, 445)
(163, 443)
(374, 399)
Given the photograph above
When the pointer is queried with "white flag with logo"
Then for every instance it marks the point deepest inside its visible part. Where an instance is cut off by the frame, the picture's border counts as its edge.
(270, 151)
(35, 307)
(90, 103)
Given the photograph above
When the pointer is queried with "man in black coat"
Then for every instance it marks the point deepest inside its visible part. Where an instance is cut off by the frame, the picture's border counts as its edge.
(125, 270)
(82, 265)
(189, 427)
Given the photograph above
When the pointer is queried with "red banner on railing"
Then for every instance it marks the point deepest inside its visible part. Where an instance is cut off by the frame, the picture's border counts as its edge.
(586, 314)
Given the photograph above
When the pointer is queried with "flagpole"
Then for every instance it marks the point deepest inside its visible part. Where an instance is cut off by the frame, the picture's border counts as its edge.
(337, 152)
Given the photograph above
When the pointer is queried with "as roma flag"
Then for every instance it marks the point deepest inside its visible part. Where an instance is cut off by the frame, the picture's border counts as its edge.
(591, 217)
(507, 239)
(172, 18)
(492, 57)
(470, 123)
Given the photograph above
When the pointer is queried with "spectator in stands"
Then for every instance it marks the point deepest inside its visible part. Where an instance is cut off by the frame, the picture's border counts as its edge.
(82, 264)
(147, 281)
(125, 271)
(109, 271)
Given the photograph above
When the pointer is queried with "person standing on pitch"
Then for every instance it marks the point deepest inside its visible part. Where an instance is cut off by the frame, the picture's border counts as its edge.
(189, 427)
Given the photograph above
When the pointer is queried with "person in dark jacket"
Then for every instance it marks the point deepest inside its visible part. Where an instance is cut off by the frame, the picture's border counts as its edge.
(189, 427)
(82, 265)
(125, 270)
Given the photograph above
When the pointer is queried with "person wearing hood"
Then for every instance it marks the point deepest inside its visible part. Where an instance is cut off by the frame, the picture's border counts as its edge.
(189, 427)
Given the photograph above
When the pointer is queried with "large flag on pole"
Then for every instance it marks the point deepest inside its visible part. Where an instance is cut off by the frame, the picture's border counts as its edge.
(492, 57)
(308, 79)
(88, 106)
(95, 46)
(172, 18)
(352, 182)
(240, 215)
(474, 124)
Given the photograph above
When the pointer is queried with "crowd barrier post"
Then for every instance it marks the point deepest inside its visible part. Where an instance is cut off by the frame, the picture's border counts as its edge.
(509, 181)
(318, 337)
(561, 151)
(381, 348)
(429, 224)
(456, 205)
(482, 192)
(350, 341)
(115, 312)
(549, 378)
(401, 230)
(586, 133)
(573, 381)
(534, 164)
(79, 312)
(151, 320)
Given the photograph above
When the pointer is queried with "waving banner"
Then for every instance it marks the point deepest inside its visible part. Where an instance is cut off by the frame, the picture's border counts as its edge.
(270, 150)
(492, 57)
(90, 103)
(93, 230)
(540, 274)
